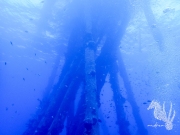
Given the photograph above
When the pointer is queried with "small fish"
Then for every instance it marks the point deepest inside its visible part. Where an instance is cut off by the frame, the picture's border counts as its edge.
(26, 31)
(6, 108)
(12, 104)
(24, 79)
(35, 54)
(5, 63)
(99, 120)
(11, 43)
(167, 10)
(157, 72)
(144, 103)
(26, 68)
(38, 100)
(148, 100)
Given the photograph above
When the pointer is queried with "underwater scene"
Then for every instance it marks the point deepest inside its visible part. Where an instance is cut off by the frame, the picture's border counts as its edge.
(89, 67)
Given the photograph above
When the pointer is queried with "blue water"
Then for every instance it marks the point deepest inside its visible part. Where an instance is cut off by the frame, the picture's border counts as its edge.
(34, 43)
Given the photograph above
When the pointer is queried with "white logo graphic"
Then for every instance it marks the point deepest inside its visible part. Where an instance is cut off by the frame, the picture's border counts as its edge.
(160, 114)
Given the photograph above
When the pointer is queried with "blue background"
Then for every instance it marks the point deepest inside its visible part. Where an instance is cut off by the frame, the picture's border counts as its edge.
(34, 36)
